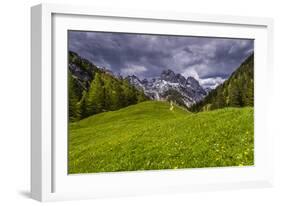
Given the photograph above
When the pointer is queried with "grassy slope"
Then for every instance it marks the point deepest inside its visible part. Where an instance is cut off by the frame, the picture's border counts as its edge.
(150, 136)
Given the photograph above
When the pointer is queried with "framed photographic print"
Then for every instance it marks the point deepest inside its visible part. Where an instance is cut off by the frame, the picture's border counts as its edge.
(134, 102)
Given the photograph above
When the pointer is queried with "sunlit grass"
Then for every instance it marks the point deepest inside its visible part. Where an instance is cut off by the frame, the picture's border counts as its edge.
(148, 136)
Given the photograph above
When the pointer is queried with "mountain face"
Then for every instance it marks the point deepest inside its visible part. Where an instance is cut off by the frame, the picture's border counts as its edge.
(237, 91)
(81, 70)
(92, 90)
(171, 86)
(168, 86)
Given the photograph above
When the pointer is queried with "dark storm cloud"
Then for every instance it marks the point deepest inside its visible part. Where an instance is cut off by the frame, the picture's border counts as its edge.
(210, 60)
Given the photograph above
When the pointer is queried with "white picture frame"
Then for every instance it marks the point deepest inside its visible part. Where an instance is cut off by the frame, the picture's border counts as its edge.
(49, 178)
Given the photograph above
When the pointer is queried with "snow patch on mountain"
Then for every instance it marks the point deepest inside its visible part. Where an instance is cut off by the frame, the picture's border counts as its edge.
(187, 90)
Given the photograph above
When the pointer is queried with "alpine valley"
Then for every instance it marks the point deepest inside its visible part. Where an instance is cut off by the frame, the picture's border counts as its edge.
(168, 122)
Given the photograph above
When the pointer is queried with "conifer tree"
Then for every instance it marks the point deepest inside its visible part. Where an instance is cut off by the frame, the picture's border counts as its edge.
(219, 101)
(95, 100)
(129, 93)
(235, 98)
(249, 101)
(73, 106)
(108, 92)
(117, 97)
(141, 97)
(83, 105)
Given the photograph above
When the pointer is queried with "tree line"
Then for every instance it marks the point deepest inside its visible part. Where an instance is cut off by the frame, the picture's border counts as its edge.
(105, 92)
(237, 91)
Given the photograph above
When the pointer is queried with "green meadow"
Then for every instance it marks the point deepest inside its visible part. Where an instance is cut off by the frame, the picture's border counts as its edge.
(150, 136)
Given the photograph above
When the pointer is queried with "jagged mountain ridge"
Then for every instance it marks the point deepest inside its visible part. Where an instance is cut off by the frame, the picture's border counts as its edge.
(171, 86)
(168, 86)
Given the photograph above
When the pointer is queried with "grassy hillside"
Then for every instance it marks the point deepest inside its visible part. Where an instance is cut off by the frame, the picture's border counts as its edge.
(150, 136)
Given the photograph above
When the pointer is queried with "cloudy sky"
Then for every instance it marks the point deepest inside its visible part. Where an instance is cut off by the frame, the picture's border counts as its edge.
(209, 60)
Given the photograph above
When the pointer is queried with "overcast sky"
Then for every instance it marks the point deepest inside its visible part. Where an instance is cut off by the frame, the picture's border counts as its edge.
(209, 60)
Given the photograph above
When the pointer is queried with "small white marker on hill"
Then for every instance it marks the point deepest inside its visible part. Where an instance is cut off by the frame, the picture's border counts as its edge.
(171, 106)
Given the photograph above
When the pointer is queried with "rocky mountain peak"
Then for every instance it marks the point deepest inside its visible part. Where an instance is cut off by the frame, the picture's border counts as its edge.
(192, 81)
(134, 80)
(132, 77)
(170, 85)
(180, 79)
(144, 81)
(168, 75)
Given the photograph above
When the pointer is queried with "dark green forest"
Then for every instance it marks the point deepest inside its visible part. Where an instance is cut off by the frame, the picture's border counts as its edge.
(92, 90)
(237, 91)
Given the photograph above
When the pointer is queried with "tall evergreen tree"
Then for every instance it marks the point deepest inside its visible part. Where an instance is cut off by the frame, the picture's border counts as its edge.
(108, 92)
(129, 93)
(95, 100)
(251, 93)
(73, 106)
(117, 97)
(235, 98)
(220, 99)
(141, 97)
(83, 105)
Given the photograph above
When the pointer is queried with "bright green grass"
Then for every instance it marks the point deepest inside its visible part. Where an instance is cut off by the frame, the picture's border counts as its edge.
(149, 136)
